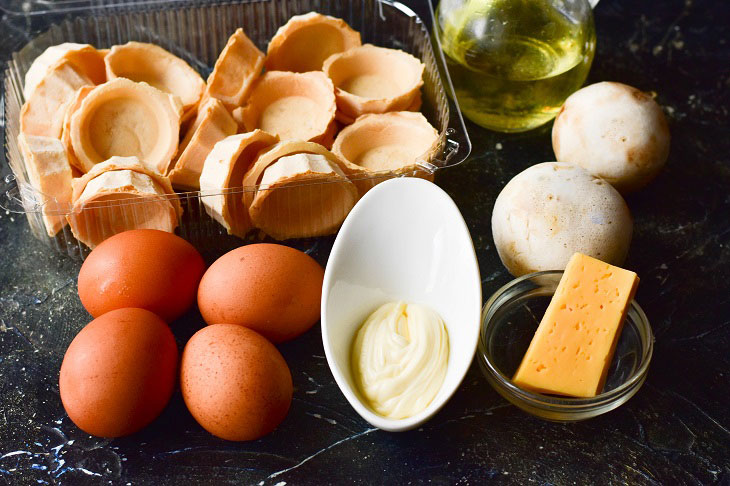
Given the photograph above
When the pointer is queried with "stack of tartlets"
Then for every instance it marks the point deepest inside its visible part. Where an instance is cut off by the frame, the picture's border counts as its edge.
(285, 142)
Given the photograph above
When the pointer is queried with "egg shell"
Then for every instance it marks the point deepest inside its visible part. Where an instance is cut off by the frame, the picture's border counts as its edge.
(273, 289)
(119, 372)
(235, 383)
(145, 268)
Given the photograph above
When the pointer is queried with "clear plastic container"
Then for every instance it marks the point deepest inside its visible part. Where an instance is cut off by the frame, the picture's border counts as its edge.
(197, 31)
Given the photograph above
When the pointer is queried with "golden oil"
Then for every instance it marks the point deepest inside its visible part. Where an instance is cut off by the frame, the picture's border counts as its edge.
(514, 62)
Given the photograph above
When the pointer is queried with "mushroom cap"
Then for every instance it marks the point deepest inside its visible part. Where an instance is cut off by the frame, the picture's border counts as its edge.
(86, 60)
(212, 124)
(151, 64)
(50, 174)
(238, 66)
(294, 106)
(370, 79)
(120, 194)
(614, 131)
(306, 41)
(552, 210)
(301, 196)
(125, 118)
(221, 180)
(43, 111)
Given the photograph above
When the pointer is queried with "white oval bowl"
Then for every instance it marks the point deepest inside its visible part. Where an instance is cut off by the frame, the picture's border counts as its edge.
(404, 240)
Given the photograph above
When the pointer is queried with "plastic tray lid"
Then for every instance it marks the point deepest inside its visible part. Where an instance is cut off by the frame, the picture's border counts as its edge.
(35, 16)
(45, 7)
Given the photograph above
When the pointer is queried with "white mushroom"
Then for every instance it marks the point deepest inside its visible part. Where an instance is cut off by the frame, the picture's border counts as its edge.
(552, 210)
(615, 132)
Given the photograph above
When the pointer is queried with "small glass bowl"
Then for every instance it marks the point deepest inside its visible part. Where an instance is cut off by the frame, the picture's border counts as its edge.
(509, 320)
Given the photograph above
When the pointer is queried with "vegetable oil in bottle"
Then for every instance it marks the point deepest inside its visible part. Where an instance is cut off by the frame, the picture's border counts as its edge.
(514, 62)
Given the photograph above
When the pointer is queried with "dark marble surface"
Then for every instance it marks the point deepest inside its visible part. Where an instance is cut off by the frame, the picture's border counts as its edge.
(676, 430)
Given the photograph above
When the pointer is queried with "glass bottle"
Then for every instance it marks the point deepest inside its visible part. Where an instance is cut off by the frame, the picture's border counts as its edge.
(514, 62)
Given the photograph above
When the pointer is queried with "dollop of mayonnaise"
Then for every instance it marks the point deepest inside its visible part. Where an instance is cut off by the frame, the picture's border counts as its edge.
(399, 359)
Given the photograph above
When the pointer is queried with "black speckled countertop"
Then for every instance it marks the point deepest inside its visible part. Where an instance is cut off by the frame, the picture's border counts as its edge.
(676, 430)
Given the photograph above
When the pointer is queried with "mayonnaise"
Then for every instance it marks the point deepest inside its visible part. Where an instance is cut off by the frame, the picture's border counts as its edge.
(399, 359)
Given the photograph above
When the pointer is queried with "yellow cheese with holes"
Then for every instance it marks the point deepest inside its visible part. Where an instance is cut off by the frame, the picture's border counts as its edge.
(573, 347)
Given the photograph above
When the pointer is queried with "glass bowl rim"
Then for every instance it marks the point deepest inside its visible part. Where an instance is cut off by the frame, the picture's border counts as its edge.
(560, 403)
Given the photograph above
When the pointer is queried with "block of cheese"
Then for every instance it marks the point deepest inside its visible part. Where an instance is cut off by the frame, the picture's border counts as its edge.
(574, 344)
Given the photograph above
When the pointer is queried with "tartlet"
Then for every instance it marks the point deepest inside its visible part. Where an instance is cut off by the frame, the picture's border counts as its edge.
(370, 79)
(43, 111)
(238, 66)
(212, 124)
(119, 114)
(50, 174)
(151, 64)
(120, 194)
(71, 108)
(305, 41)
(224, 169)
(125, 118)
(294, 106)
(390, 142)
(291, 147)
(84, 58)
(300, 197)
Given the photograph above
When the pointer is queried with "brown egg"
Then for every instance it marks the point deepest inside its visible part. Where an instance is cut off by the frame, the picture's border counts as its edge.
(273, 289)
(145, 268)
(119, 372)
(234, 382)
